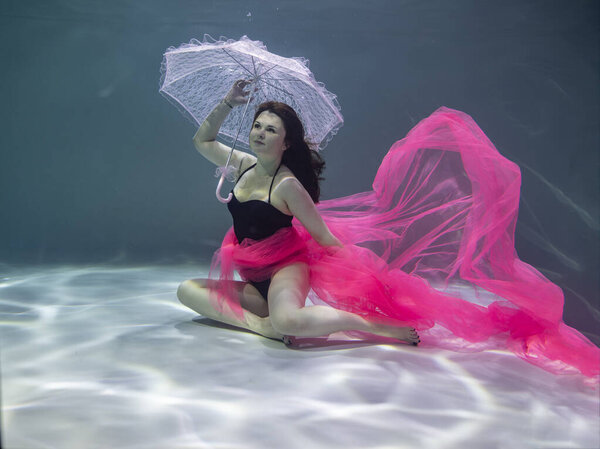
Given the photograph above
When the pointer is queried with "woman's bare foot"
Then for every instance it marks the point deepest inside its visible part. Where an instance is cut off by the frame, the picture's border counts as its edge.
(407, 334)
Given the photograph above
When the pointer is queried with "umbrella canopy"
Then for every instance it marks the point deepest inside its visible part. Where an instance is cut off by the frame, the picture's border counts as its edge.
(196, 76)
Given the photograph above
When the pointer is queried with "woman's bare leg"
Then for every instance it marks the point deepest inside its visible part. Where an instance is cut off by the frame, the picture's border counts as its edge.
(197, 294)
(287, 296)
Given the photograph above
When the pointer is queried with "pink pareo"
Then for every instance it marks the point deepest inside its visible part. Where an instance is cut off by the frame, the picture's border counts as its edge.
(432, 247)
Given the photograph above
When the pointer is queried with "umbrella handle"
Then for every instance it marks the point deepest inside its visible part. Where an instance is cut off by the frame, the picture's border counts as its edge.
(218, 192)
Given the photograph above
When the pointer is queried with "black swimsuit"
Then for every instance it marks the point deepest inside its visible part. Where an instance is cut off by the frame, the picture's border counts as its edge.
(257, 220)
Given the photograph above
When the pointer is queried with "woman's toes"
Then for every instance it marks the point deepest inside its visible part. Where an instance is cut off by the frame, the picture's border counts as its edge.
(416, 339)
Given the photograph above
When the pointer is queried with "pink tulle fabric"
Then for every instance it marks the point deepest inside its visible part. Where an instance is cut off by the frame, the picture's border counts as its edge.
(432, 247)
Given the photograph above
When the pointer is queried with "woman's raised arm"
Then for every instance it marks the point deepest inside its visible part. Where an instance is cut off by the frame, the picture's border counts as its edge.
(205, 138)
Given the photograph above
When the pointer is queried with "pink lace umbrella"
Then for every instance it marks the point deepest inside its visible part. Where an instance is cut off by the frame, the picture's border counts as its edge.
(198, 75)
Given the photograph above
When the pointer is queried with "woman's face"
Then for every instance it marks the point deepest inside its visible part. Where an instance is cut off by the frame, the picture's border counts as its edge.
(267, 135)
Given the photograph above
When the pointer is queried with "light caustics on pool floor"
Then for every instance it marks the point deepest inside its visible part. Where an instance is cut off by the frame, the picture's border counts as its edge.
(101, 357)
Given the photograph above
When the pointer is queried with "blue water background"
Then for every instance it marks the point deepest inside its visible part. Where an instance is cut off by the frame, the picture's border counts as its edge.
(96, 167)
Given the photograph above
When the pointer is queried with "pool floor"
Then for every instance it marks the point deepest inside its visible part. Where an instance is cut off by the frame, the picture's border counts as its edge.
(106, 357)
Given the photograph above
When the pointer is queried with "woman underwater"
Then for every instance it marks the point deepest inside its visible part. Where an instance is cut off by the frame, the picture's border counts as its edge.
(269, 182)
(430, 248)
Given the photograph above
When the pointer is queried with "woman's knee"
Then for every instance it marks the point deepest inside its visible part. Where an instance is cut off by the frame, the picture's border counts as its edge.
(188, 289)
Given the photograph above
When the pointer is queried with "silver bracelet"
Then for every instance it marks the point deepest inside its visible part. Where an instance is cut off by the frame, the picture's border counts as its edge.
(227, 103)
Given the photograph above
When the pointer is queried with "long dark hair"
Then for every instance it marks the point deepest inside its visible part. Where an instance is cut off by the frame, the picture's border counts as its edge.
(304, 162)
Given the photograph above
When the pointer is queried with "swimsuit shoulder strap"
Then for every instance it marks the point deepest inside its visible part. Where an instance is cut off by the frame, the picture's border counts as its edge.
(240, 177)
(272, 180)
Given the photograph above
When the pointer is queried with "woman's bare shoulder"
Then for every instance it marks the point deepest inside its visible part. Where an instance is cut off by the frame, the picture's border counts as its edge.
(285, 176)
(290, 188)
(244, 161)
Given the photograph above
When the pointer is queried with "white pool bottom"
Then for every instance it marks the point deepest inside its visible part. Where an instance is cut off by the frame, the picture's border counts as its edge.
(101, 357)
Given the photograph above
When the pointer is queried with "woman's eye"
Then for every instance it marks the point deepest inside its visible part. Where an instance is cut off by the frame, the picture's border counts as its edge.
(256, 125)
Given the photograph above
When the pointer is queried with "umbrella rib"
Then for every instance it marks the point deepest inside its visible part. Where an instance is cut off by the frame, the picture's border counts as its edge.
(262, 91)
(185, 75)
(276, 87)
(254, 66)
(268, 70)
(287, 79)
(278, 79)
(260, 78)
(238, 62)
